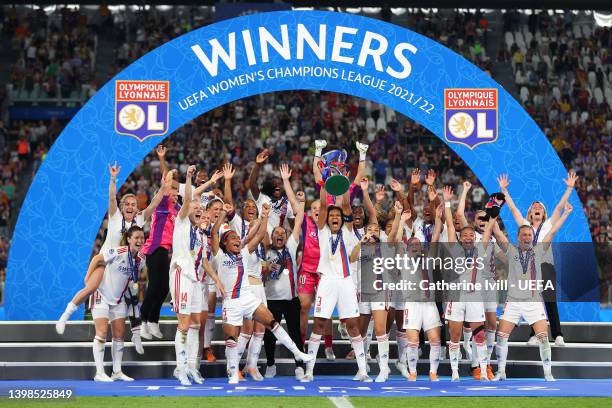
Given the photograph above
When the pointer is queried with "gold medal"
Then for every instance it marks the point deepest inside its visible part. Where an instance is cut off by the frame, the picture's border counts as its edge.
(135, 286)
(332, 257)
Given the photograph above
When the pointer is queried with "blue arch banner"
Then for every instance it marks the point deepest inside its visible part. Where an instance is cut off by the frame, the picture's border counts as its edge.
(262, 53)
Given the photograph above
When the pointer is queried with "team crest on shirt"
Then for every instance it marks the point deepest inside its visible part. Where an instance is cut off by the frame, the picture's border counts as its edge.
(470, 116)
(142, 108)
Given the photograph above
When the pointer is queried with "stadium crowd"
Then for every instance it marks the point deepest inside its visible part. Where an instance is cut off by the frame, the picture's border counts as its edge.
(565, 73)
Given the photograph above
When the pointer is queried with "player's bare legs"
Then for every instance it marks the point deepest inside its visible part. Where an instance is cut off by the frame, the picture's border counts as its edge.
(186, 348)
(540, 328)
(478, 333)
(92, 282)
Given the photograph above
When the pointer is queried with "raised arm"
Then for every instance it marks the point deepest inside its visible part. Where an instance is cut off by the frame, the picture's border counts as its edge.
(263, 228)
(163, 191)
(322, 220)
(252, 181)
(363, 148)
(367, 201)
(398, 189)
(214, 241)
(285, 173)
(112, 189)
(316, 171)
(504, 182)
(396, 219)
(184, 211)
(415, 182)
(404, 220)
(435, 236)
(228, 174)
(461, 207)
(488, 231)
(572, 178)
(346, 211)
(556, 226)
(379, 196)
(216, 176)
(447, 194)
(161, 155)
(299, 216)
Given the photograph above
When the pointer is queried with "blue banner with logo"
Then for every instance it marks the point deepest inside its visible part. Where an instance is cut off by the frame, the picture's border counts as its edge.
(262, 53)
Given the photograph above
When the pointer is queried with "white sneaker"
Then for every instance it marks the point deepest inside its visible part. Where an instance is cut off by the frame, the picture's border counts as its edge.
(329, 354)
(181, 376)
(467, 346)
(102, 377)
(402, 368)
(455, 376)
(533, 341)
(299, 373)
(303, 357)
(548, 376)
(144, 331)
(559, 341)
(383, 375)
(195, 376)
(500, 376)
(121, 377)
(307, 378)
(362, 147)
(137, 341)
(60, 326)
(234, 379)
(155, 331)
(362, 377)
(270, 371)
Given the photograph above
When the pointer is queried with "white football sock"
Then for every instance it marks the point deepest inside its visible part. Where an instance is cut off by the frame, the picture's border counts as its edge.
(453, 354)
(284, 339)
(180, 349)
(402, 344)
(481, 356)
(117, 352)
(313, 348)
(193, 343)
(231, 354)
(383, 351)
(490, 339)
(501, 351)
(209, 331)
(98, 353)
(243, 341)
(545, 352)
(357, 343)
(412, 356)
(254, 350)
(434, 356)
(70, 309)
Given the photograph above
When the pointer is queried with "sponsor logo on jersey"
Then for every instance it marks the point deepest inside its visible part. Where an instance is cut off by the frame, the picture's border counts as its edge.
(142, 108)
(470, 116)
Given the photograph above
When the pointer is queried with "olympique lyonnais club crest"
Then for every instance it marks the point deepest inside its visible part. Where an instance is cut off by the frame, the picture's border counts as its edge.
(470, 116)
(141, 108)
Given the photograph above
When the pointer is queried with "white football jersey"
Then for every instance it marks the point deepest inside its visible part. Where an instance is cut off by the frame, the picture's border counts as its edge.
(120, 267)
(117, 226)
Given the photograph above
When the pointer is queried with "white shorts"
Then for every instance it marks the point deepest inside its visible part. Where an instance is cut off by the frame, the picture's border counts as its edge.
(243, 307)
(186, 294)
(336, 292)
(530, 311)
(490, 307)
(471, 312)
(212, 286)
(100, 309)
(366, 308)
(421, 315)
(397, 300)
(260, 292)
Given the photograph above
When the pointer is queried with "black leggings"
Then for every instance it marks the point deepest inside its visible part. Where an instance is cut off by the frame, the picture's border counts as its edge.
(158, 265)
(290, 309)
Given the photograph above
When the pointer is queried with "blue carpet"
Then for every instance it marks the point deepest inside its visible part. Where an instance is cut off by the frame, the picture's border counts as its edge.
(328, 386)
